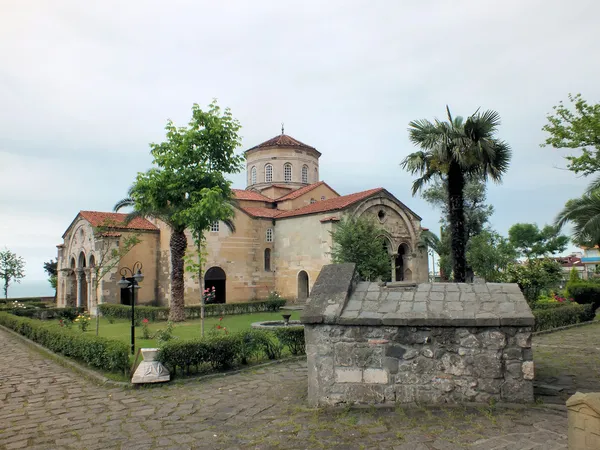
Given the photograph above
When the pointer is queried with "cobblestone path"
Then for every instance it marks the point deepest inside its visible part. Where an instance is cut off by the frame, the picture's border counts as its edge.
(43, 405)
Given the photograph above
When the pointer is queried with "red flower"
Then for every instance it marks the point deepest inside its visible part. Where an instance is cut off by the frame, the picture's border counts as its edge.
(213, 288)
(219, 327)
(145, 320)
(220, 318)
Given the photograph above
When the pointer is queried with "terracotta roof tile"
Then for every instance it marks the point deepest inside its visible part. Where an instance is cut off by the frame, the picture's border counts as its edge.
(116, 221)
(242, 194)
(269, 213)
(303, 190)
(282, 140)
(332, 204)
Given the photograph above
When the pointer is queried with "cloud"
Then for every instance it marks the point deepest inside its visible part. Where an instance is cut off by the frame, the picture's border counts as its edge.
(84, 87)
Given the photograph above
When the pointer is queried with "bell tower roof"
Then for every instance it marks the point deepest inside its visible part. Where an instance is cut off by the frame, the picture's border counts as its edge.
(283, 141)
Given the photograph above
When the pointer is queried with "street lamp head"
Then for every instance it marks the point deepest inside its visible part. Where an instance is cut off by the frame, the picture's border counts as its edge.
(123, 283)
(139, 277)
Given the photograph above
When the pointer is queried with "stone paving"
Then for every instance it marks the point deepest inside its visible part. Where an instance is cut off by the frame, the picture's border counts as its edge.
(46, 406)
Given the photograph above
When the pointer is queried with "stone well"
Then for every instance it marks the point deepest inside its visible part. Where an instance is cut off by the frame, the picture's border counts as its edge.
(427, 343)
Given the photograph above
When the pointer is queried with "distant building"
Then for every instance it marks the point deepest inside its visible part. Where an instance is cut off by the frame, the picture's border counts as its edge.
(573, 261)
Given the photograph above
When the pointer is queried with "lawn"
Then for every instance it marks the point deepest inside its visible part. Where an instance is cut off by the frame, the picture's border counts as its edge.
(190, 329)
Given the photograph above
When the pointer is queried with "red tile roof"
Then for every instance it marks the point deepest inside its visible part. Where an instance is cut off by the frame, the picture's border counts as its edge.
(280, 186)
(283, 140)
(303, 190)
(116, 221)
(242, 194)
(332, 204)
(269, 213)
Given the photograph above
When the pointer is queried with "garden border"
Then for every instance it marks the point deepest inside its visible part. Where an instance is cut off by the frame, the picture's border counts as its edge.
(566, 327)
(94, 376)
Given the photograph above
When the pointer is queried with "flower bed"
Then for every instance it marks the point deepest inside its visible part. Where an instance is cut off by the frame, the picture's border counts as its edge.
(155, 313)
(98, 352)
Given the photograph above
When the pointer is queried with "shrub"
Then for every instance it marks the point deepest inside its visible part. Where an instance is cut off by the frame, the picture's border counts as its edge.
(585, 292)
(155, 313)
(102, 353)
(48, 313)
(561, 316)
(293, 337)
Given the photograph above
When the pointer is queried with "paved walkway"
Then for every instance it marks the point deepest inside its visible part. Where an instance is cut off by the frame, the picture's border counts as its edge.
(43, 405)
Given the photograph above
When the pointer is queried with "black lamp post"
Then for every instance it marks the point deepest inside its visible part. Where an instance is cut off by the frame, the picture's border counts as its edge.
(132, 283)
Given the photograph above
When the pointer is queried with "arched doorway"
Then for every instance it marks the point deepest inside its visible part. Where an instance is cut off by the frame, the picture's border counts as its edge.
(215, 277)
(387, 248)
(71, 298)
(403, 273)
(82, 295)
(302, 285)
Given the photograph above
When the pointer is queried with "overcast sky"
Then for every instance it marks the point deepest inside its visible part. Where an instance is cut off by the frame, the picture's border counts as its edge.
(85, 86)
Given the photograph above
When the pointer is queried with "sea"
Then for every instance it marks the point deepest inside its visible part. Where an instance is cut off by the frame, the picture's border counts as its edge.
(29, 288)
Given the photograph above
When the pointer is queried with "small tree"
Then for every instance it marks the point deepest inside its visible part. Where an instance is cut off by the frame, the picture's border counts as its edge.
(489, 254)
(534, 276)
(108, 253)
(358, 240)
(51, 268)
(12, 268)
(532, 242)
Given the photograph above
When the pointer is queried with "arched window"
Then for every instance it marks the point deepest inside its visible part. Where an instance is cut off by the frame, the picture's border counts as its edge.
(267, 259)
(316, 175)
(322, 197)
(268, 173)
(287, 172)
(269, 235)
(305, 174)
(214, 227)
(312, 200)
(253, 176)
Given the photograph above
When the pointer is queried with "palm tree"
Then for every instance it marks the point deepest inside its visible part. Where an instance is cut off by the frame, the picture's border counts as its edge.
(169, 213)
(584, 214)
(456, 151)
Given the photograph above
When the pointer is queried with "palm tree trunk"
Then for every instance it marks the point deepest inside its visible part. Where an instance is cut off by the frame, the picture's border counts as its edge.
(456, 213)
(178, 245)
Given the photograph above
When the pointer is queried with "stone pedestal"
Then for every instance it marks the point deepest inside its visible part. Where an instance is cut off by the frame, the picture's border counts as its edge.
(584, 421)
(149, 370)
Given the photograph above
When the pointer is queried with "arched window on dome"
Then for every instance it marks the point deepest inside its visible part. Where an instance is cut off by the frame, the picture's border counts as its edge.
(316, 176)
(268, 173)
(287, 172)
(267, 259)
(253, 175)
(305, 174)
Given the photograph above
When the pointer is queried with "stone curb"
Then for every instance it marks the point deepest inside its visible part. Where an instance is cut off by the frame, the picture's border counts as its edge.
(499, 405)
(66, 362)
(566, 327)
(103, 381)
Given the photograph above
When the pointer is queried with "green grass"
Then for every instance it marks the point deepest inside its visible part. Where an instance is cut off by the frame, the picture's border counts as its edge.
(190, 329)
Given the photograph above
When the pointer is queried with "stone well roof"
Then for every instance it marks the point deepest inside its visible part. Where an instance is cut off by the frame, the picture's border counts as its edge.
(347, 301)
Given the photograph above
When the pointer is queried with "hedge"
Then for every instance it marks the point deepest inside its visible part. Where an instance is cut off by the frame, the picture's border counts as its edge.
(48, 313)
(22, 300)
(228, 350)
(102, 353)
(560, 317)
(585, 292)
(154, 313)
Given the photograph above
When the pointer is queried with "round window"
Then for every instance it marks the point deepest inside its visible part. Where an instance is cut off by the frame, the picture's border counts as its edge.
(381, 214)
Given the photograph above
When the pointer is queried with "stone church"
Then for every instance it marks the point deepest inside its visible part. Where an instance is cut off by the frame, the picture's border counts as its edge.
(283, 222)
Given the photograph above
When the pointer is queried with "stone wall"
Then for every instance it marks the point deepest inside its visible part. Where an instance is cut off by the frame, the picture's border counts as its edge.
(374, 364)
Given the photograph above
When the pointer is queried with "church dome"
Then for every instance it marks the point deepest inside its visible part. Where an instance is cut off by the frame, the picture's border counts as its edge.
(281, 160)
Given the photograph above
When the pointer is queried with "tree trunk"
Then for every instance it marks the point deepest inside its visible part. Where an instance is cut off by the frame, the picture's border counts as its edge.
(456, 217)
(178, 245)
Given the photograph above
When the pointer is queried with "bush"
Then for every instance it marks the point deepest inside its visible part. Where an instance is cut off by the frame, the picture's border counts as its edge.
(554, 317)
(585, 292)
(48, 313)
(220, 351)
(293, 337)
(155, 313)
(95, 351)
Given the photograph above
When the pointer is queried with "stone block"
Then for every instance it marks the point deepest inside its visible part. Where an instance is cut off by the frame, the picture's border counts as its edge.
(395, 351)
(584, 421)
(528, 370)
(488, 365)
(492, 339)
(523, 340)
(346, 375)
(390, 364)
(406, 394)
(375, 376)
(517, 391)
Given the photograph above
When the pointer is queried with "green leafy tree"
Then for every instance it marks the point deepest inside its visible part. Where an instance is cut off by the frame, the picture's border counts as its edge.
(189, 176)
(12, 268)
(584, 215)
(576, 126)
(489, 255)
(532, 242)
(456, 151)
(534, 276)
(358, 240)
(51, 268)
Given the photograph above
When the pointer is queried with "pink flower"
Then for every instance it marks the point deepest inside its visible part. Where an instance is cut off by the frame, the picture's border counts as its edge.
(213, 288)
(220, 318)
(145, 320)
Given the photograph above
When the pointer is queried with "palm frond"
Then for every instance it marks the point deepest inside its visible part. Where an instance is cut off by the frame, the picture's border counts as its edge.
(123, 203)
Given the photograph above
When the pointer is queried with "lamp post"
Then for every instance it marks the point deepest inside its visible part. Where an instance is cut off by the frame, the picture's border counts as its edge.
(132, 283)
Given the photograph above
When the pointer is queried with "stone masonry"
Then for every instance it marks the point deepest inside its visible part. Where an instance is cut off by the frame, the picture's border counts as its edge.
(427, 343)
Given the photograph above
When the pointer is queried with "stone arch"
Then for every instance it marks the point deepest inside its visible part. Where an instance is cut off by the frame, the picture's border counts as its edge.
(216, 277)
(401, 266)
(92, 261)
(388, 242)
(303, 283)
(384, 201)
